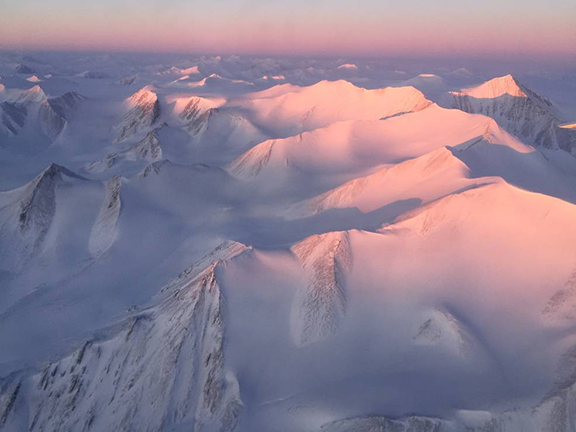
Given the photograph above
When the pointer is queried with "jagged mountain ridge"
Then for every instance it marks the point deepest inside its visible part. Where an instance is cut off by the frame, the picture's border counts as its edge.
(167, 358)
(518, 109)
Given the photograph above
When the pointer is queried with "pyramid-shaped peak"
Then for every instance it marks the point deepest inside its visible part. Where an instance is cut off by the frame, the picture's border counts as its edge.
(144, 95)
(54, 170)
(496, 87)
(34, 94)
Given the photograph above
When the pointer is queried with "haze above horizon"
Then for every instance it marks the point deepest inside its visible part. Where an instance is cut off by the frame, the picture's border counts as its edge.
(365, 27)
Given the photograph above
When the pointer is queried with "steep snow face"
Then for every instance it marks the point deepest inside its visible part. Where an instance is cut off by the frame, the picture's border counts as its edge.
(53, 113)
(320, 303)
(23, 69)
(217, 134)
(143, 111)
(353, 146)
(146, 150)
(194, 111)
(37, 201)
(13, 118)
(290, 110)
(518, 109)
(496, 87)
(443, 329)
(28, 213)
(34, 94)
(104, 231)
(160, 369)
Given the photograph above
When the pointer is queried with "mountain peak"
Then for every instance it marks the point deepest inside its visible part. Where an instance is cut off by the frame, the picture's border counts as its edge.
(23, 69)
(34, 94)
(144, 95)
(54, 169)
(496, 87)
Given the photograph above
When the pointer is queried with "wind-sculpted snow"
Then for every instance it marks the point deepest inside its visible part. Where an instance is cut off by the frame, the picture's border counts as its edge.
(422, 178)
(518, 109)
(354, 146)
(290, 110)
(159, 369)
(320, 304)
(143, 111)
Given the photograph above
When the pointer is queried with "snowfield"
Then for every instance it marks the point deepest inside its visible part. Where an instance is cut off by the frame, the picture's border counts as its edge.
(237, 244)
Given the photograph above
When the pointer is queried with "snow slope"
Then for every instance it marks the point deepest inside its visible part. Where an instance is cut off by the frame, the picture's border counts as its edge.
(290, 110)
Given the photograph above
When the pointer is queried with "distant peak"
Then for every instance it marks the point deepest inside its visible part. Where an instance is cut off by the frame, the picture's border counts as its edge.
(34, 94)
(23, 69)
(348, 66)
(146, 90)
(54, 169)
(496, 87)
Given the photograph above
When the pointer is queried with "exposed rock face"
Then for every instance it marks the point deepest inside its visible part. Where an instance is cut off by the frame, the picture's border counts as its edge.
(154, 168)
(384, 424)
(518, 109)
(143, 111)
(321, 303)
(159, 369)
(195, 116)
(562, 305)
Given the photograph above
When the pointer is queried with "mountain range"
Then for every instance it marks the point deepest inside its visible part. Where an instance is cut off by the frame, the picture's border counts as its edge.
(192, 246)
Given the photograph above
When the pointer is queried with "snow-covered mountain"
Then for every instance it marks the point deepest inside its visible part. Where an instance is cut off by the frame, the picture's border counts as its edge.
(249, 244)
(146, 150)
(142, 111)
(518, 109)
(34, 107)
(291, 109)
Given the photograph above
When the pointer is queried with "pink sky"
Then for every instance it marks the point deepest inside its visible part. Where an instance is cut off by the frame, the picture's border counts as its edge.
(400, 31)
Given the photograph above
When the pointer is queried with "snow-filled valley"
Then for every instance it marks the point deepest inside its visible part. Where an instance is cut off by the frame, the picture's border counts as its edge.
(219, 244)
